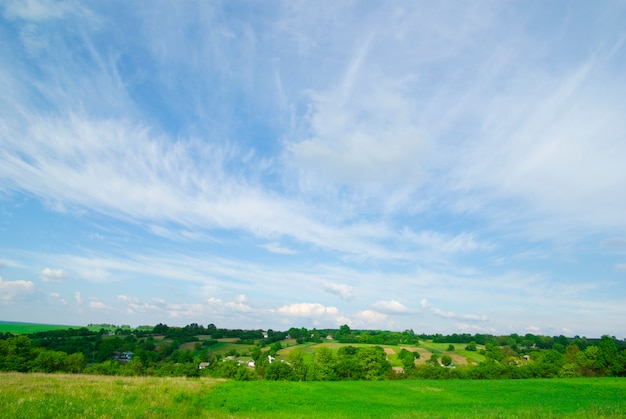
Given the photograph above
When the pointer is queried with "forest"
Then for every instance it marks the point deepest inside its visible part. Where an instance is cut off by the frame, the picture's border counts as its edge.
(299, 354)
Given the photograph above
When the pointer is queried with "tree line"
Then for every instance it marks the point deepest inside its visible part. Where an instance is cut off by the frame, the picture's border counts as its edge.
(158, 352)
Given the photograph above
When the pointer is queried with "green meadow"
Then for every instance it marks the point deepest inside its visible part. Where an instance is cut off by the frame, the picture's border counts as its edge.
(17, 328)
(56, 395)
(26, 328)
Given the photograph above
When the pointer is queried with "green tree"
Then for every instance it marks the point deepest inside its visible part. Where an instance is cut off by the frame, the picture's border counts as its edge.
(279, 371)
(571, 353)
(16, 354)
(324, 363)
(275, 347)
(373, 362)
(408, 360)
(607, 355)
(550, 363)
(587, 361)
(50, 361)
(76, 362)
(433, 361)
(298, 366)
(446, 360)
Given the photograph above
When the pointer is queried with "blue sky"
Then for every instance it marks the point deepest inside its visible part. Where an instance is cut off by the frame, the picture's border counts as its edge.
(440, 166)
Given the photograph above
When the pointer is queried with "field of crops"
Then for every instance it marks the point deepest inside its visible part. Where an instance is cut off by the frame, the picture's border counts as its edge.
(40, 395)
(17, 328)
(25, 328)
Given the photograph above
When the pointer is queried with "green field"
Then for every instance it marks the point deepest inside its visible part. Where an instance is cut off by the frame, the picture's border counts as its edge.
(39, 395)
(26, 328)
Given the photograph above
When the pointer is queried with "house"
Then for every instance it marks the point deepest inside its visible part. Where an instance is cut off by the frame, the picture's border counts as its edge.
(123, 357)
(270, 359)
(203, 365)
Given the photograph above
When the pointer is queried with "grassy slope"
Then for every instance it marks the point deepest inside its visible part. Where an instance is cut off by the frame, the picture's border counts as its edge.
(26, 328)
(39, 395)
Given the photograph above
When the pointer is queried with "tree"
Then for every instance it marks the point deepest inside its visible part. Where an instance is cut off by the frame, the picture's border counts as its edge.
(571, 353)
(434, 360)
(75, 362)
(279, 371)
(324, 365)
(373, 362)
(607, 355)
(471, 346)
(446, 360)
(550, 363)
(50, 361)
(255, 353)
(16, 354)
(408, 360)
(298, 366)
(451, 348)
(587, 361)
(275, 347)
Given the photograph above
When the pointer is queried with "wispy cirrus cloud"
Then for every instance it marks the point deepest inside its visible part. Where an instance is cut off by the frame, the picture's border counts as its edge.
(277, 248)
(436, 147)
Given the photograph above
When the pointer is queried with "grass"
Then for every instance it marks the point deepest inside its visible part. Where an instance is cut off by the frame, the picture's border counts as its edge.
(44, 396)
(25, 328)
(442, 348)
(39, 396)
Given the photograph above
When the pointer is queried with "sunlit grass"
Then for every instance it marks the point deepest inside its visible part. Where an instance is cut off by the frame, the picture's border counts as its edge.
(40, 395)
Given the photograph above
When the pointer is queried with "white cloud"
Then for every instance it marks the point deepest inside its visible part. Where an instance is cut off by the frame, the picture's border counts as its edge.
(52, 275)
(344, 291)
(308, 310)
(617, 243)
(369, 319)
(40, 10)
(14, 291)
(435, 241)
(98, 305)
(9, 263)
(369, 138)
(239, 305)
(136, 306)
(474, 328)
(434, 147)
(161, 179)
(56, 296)
(391, 307)
(560, 158)
(77, 298)
(275, 247)
(452, 315)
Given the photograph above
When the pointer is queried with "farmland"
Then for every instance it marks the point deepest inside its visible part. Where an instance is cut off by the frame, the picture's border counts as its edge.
(26, 328)
(48, 395)
(302, 355)
(302, 373)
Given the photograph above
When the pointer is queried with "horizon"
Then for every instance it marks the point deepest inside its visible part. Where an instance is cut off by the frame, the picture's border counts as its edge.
(441, 167)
